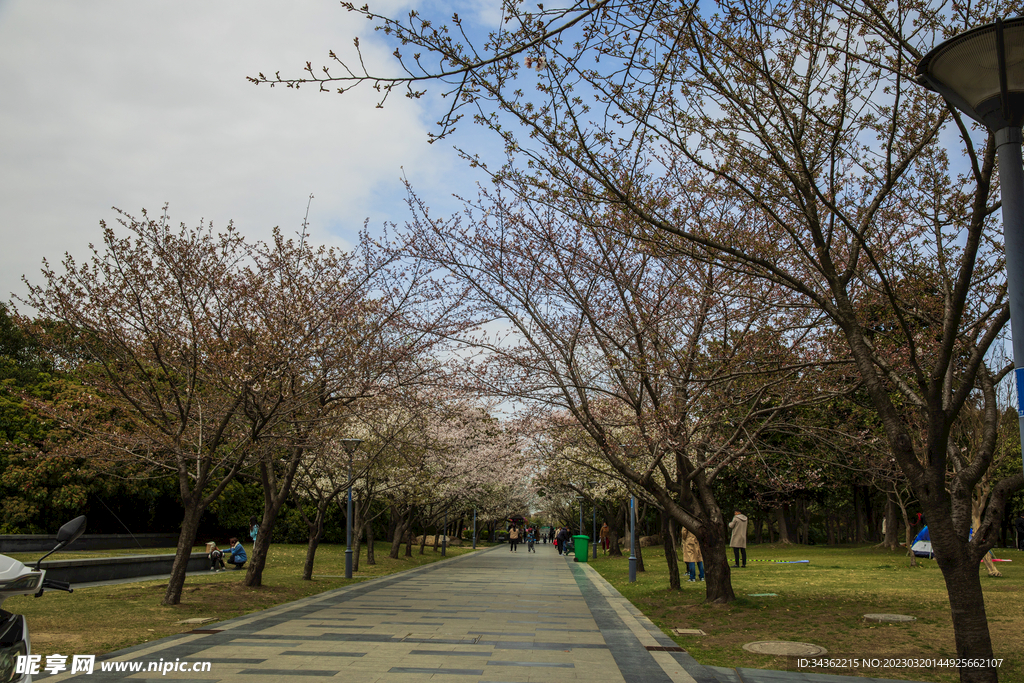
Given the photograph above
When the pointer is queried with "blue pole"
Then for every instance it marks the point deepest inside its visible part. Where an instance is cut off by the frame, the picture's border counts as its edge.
(632, 539)
(348, 524)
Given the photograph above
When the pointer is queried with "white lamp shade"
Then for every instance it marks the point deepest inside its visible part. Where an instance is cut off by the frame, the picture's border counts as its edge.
(965, 69)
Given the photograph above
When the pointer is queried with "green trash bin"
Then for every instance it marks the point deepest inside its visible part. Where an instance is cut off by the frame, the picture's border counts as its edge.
(581, 544)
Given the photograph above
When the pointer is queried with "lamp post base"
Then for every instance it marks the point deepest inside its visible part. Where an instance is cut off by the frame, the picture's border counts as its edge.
(632, 569)
(348, 563)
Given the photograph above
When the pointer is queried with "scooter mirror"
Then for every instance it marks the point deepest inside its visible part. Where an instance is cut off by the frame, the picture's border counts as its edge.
(65, 535)
(71, 531)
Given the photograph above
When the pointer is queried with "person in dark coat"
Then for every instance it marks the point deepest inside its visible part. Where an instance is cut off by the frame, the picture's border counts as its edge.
(563, 541)
(1018, 524)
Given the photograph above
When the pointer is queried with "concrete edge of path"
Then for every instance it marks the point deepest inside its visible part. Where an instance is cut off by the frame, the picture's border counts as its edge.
(678, 666)
(148, 648)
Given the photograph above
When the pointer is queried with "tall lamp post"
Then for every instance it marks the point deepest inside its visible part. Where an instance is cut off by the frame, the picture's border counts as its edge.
(350, 446)
(632, 539)
(977, 74)
(593, 510)
(581, 515)
(628, 452)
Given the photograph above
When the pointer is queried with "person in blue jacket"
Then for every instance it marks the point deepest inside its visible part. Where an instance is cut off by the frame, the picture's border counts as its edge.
(238, 556)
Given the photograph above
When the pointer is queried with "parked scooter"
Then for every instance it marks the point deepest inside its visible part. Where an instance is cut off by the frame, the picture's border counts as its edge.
(18, 579)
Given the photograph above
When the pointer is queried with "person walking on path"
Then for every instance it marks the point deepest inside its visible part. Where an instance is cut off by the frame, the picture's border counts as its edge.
(692, 555)
(603, 535)
(738, 542)
(563, 541)
(531, 538)
(513, 539)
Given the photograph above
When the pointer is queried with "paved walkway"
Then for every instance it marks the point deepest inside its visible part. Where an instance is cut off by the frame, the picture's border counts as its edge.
(487, 616)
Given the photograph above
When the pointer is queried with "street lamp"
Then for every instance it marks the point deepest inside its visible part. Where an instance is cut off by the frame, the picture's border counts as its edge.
(981, 73)
(632, 539)
(350, 446)
(581, 514)
(629, 452)
(593, 510)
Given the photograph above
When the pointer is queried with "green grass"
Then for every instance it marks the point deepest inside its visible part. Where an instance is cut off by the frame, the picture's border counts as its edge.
(95, 620)
(823, 603)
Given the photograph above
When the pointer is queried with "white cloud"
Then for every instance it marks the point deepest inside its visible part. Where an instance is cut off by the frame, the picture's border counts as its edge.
(133, 104)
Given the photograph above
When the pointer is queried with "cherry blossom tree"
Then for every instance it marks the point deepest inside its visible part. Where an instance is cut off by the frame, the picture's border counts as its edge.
(684, 362)
(786, 140)
(157, 329)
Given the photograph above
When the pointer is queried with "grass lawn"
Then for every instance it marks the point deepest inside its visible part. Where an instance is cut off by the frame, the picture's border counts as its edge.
(96, 620)
(824, 603)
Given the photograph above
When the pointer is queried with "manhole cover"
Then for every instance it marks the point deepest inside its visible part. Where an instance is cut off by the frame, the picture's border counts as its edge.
(785, 648)
(199, 620)
(688, 632)
(890, 618)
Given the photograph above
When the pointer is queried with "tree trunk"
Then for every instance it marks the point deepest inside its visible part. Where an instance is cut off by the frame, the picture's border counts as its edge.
(398, 537)
(780, 515)
(186, 539)
(371, 559)
(717, 574)
(966, 601)
(614, 522)
(258, 557)
(858, 514)
(357, 532)
(909, 535)
(669, 537)
(639, 553)
(275, 492)
(805, 522)
(891, 540)
(316, 532)
(873, 526)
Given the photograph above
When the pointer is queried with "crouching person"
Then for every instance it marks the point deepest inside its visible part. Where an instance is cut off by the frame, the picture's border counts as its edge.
(216, 556)
(237, 557)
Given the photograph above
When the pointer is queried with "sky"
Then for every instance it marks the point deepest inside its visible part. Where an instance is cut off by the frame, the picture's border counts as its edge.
(128, 104)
